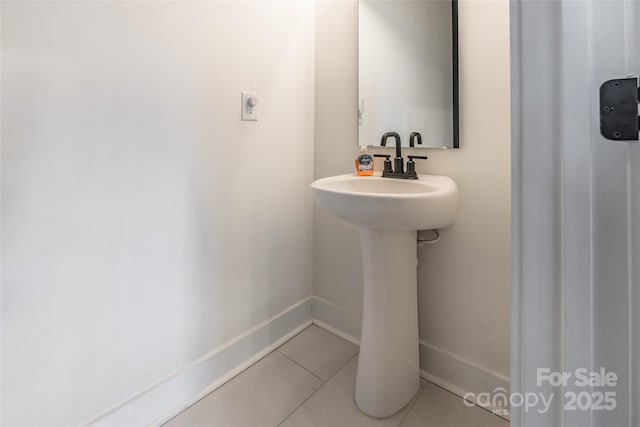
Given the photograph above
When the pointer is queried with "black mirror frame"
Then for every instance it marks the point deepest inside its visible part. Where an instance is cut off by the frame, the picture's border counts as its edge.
(456, 83)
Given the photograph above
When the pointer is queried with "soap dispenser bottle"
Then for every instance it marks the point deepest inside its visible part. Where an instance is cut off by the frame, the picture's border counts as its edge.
(364, 162)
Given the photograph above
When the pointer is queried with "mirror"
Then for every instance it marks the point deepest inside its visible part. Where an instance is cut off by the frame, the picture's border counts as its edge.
(408, 71)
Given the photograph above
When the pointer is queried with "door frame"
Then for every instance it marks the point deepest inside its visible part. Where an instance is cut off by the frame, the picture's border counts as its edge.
(535, 339)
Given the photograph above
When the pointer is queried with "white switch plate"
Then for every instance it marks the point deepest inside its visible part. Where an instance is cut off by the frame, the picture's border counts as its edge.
(248, 112)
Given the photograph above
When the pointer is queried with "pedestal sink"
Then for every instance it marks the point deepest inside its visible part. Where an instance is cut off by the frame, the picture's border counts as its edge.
(388, 212)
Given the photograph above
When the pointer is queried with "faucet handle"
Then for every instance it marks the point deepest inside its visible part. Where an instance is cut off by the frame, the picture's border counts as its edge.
(387, 162)
(411, 166)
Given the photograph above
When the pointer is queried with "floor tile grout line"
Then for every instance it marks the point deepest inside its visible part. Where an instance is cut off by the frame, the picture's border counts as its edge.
(220, 386)
(300, 405)
(240, 373)
(303, 367)
(294, 361)
(323, 382)
(312, 394)
(474, 405)
(411, 405)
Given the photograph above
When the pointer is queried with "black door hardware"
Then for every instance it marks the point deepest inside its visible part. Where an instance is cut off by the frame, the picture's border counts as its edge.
(619, 119)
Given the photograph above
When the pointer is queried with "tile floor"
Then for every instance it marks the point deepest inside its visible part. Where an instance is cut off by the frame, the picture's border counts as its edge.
(309, 382)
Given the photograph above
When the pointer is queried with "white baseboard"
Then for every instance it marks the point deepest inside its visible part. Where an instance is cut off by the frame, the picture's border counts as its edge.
(191, 383)
(461, 376)
(441, 367)
(337, 332)
(336, 319)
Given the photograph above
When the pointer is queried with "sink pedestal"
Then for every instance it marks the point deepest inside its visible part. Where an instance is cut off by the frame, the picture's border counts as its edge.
(388, 212)
(388, 364)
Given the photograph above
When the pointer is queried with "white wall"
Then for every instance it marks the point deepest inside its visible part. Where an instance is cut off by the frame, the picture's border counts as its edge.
(464, 280)
(143, 223)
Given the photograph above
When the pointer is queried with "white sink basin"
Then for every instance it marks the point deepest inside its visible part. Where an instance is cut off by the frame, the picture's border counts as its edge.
(391, 204)
(388, 212)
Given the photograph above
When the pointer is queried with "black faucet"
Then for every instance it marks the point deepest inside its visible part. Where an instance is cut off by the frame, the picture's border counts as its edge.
(413, 137)
(399, 161)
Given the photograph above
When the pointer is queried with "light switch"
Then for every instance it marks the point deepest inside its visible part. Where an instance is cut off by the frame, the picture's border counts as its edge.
(249, 106)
